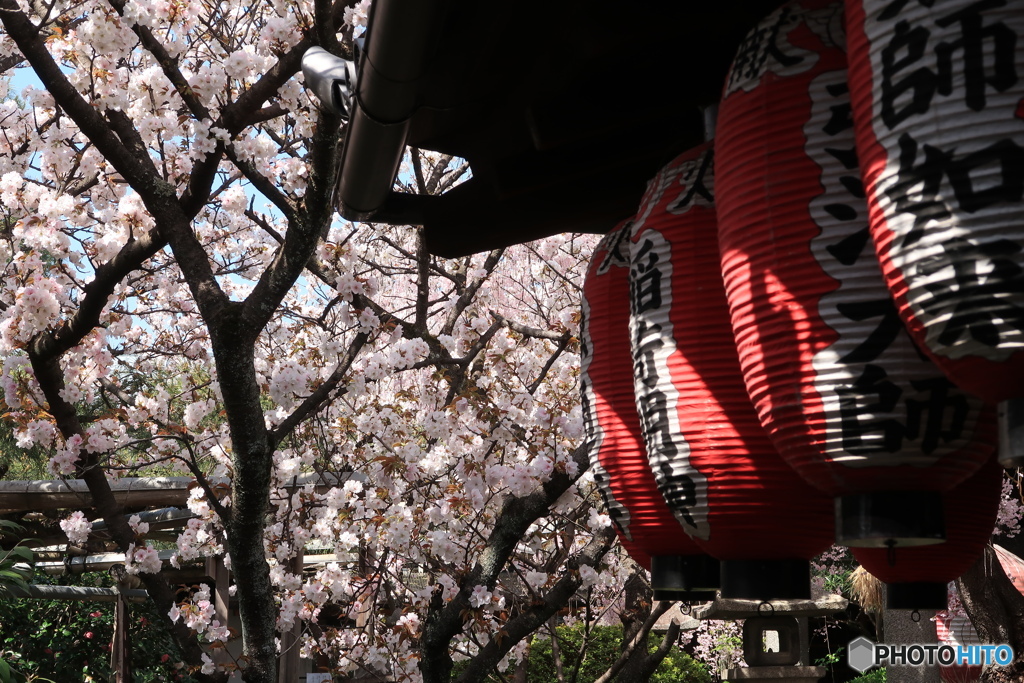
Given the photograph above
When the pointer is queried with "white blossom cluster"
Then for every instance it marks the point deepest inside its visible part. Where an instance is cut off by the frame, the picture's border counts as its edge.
(458, 384)
(77, 527)
(142, 560)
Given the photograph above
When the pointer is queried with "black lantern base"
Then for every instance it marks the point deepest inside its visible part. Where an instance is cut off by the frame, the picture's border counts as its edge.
(766, 579)
(684, 573)
(917, 596)
(684, 596)
(1011, 433)
(890, 519)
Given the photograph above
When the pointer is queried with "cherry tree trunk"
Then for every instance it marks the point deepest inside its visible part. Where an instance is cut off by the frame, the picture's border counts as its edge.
(996, 608)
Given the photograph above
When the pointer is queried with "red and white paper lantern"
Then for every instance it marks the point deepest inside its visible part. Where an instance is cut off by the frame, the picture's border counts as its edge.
(646, 527)
(938, 100)
(957, 631)
(837, 382)
(713, 463)
(917, 578)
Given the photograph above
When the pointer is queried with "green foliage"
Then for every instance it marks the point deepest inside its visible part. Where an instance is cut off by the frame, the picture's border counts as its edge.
(10, 573)
(70, 641)
(876, 676)
(679, 666)
(17, 462)
(9, 674)
(831, 658)
(601, 651)
(729, 648)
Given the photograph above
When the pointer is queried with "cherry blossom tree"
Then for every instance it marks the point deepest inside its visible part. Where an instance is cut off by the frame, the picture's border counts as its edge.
(177, 296)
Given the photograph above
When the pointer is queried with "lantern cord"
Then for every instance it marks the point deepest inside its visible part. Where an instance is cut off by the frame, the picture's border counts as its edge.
(770, 608)
(890, 554)
(915, 616)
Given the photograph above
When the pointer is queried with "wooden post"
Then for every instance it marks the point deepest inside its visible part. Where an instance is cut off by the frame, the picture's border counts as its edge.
(364, 596)
(221, 576)
(288, 663)
(216, 570)
(120, 652)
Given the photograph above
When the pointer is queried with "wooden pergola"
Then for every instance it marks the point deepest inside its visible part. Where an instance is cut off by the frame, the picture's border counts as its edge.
(162, 503)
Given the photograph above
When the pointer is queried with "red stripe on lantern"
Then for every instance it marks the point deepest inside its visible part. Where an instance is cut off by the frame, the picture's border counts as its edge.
(713, 462)
(618, 459)
(837, 383)
(936, 99)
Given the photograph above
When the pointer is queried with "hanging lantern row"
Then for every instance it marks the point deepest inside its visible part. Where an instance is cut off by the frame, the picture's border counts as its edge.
(775, 324)
(837, 381)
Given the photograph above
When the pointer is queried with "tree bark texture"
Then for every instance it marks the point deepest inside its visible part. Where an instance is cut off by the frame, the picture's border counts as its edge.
(639, 616)
(234, 327)
(635, 612)
(996, 608)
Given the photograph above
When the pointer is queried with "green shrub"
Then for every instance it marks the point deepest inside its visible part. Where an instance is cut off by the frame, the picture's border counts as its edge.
(876, 676)
(679, 666)
(70, 641)
(601, 651)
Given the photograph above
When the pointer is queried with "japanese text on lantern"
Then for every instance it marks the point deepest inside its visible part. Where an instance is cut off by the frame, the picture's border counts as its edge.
(682, 486)
(872, 413)
(939, 66)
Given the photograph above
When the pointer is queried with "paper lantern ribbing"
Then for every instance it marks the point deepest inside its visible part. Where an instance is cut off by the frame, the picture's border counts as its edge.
(712, 460)
(916, 578)
(837, 382)
(646, 527)
(938, 101)
(956, 631)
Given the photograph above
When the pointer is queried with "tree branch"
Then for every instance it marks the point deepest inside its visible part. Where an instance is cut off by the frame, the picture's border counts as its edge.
(422, 279)
(168, 64)
(188, 440)
(533, 332)
(28, 39)
(518, 513)
(470, 292)
(305, 228)
(246, 110)
(641, 638)
(9, 62)
(322, 396)
(96, 294)
(526, 622)
(562, 345)
(262, 183)
(51, 382)
(158, 196)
